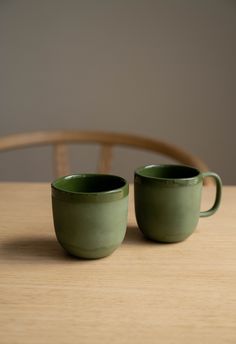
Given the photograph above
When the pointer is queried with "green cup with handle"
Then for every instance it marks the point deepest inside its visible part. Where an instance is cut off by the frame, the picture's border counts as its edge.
(90, 213)
(168, 199)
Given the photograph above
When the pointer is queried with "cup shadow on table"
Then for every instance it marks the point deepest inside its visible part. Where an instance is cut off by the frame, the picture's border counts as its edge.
(36, 249)
(134, 236)
(48, 249)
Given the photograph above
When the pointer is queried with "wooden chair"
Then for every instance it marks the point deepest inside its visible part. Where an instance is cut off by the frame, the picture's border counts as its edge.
(60, 140)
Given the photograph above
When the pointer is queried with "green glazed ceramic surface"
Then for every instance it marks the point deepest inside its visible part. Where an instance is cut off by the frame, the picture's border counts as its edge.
(90, 213)
(168, 199)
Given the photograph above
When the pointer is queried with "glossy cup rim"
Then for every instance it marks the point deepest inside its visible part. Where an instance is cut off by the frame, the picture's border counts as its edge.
(113, 193)
(187, 180)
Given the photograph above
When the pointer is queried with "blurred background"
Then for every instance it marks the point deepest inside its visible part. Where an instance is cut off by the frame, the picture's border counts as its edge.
(163, 69)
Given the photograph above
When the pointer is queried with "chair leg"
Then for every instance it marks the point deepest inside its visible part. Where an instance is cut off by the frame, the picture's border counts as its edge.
(61, 160)
(104, 165)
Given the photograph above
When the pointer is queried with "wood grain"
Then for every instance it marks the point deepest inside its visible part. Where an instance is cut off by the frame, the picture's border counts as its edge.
(143, 293)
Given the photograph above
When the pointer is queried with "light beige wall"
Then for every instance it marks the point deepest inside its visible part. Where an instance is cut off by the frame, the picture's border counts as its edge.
(160, 68)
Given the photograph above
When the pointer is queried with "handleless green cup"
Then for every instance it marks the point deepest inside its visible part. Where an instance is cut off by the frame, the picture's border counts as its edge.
(90, 213)
(168, 199)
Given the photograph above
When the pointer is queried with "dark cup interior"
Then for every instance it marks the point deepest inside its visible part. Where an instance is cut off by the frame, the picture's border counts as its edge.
(89, 183)
(168, 171)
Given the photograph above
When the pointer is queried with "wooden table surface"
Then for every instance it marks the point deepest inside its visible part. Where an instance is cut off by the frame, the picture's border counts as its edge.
(143, 293)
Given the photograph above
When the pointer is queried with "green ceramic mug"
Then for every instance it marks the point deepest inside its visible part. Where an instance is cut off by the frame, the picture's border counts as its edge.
(90, 213)
(168, 199)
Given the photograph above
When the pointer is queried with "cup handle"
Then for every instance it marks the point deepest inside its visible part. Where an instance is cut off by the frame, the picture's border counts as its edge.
(216, 204)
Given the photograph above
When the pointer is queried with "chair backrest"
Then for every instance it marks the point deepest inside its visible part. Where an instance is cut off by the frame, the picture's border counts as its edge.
(60, 140)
